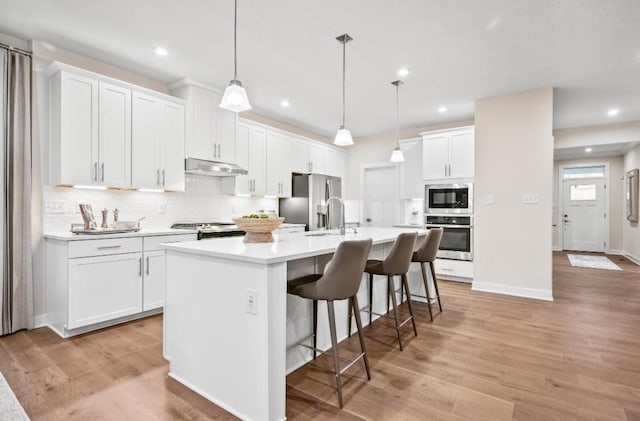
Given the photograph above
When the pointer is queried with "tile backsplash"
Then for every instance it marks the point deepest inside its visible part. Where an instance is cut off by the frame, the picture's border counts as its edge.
(203, 200)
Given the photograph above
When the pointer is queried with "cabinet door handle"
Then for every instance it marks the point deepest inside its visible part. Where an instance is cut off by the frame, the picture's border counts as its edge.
(147, 265)
(163, 178)
(218, 150)
(108, 247)
(158, 177)
(102, 167)
(95, 171)
(140, 266)
(214, 149)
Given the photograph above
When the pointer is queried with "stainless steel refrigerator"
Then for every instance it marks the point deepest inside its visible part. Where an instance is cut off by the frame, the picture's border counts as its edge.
(308, 202)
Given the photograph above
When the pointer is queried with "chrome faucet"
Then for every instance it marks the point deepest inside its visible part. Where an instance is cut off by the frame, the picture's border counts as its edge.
(342, 223)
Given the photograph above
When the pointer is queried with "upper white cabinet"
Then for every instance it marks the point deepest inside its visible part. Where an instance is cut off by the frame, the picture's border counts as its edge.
(251, 148)
(109, 133)
(158, 143)
(411, 185)
(317, 158)
(448, 154)
(300, 156)
(90, 132)
(210, 129)
(278, 165)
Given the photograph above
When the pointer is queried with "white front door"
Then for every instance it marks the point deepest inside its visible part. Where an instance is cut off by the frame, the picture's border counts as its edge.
(380, 196)
(584, 218)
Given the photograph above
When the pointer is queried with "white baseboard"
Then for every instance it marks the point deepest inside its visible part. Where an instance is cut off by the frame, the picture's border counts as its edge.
(556, 248)
(39, 320)
(537, 294)
(617, 252)
(631, 257)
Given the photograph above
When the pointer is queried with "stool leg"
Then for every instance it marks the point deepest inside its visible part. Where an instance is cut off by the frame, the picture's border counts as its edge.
(315, 328)
(405, 282)
(334, 348)
(435, 284)
(426, 289)
(390, 291)
(370, 297)
(351, 310)
(354, 304)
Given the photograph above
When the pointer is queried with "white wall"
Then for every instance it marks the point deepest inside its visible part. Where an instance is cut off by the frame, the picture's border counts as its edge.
(514, 156)
(378, 148)
(631, 230)
(615, 191)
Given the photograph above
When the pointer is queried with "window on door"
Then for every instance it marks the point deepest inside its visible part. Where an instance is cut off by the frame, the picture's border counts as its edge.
(581, 192)
(583, 172)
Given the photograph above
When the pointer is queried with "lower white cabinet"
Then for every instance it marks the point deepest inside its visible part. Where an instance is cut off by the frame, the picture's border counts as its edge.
(93, 283)
(104, 288)
(153, 280)
(456, 270)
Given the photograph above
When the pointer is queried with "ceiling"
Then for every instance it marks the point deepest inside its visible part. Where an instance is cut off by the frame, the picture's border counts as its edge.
(593, 151)
(458, 51)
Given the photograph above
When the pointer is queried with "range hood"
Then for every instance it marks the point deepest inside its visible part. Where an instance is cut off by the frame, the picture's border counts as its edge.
(212, 168)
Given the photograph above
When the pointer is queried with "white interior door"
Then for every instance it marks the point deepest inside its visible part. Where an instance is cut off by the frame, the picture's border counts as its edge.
(584, 218)
(380, 196)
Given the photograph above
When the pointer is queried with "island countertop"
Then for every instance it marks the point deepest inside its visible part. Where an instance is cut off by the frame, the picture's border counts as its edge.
(285, 248)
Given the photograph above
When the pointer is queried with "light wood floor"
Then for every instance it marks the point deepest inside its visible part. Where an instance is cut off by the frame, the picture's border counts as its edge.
(486, 357)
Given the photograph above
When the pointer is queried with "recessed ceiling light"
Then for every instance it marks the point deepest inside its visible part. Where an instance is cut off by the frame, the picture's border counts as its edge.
(161, 51)
(404, 71)
(442, 109)
(613, 112)
(285, 104)
(587, 150)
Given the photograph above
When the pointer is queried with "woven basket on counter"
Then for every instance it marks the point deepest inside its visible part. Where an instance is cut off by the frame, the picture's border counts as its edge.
(258, 230)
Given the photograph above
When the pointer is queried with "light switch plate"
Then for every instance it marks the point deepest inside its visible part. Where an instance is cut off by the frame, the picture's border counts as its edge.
(488, 199)
(530, 198)
(251, 304)
(54, 207)
(162, 208)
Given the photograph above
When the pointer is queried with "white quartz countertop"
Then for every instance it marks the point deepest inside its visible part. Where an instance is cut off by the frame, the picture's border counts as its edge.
(68, 236)
(409, 225)
(285, 248)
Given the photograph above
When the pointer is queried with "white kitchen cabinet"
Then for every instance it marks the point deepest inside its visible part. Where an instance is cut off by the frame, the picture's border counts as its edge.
(300, 156)
(210, 129)
(411, 185)
(157, 143)
(317, 159)
(448, 154)
(97, 282)
(278, 165)
(114, 135)
(104, 288)
(251, 149)
(335, 162)
(90, 131)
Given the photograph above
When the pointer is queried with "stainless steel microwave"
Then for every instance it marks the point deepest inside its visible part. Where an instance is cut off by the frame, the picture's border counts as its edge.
(448, 198)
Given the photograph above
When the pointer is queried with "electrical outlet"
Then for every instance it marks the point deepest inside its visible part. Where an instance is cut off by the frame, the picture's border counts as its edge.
(162, 208)
(251, 305)
(54, 207)
(530, 198)
(71, 207)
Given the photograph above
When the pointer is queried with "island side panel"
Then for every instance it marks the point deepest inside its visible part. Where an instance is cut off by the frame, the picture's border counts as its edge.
(218, 349)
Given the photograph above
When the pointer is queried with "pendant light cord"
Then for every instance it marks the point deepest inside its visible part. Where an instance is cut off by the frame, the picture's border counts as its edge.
(235, 42)
(397, 114)
(344, 78)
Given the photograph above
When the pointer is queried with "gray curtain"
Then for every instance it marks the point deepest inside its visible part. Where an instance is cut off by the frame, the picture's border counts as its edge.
(16, 305)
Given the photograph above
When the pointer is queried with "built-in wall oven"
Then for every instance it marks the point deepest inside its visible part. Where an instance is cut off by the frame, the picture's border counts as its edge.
(457, 239)
(448, 198)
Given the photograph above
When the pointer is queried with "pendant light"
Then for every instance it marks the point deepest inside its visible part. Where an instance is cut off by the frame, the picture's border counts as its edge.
(235, 97)
(397, 155)
(343, 136)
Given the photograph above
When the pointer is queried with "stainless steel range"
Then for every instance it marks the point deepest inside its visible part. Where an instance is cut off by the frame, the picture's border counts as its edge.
(211, 229)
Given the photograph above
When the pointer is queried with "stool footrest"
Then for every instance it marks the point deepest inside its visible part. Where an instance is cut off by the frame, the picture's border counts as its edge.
(300, 342)
(408, 319)
(352, 362)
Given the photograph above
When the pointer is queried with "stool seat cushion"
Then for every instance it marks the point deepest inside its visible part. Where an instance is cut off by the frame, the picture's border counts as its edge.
(375, 267)
(303, 286)
(416, 257)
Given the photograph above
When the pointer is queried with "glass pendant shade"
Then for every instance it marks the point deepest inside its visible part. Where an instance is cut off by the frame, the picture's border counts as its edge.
(343, 137)
(397, 155)
(235, 98)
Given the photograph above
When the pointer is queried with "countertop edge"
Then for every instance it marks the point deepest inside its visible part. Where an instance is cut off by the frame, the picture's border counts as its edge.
(67, 236)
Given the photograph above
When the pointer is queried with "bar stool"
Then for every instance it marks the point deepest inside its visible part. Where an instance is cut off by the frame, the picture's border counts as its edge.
(396, 263)
(340, 281)
(426, 253)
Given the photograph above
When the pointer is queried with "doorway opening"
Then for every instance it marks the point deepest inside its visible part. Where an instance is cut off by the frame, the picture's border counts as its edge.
(584, 207)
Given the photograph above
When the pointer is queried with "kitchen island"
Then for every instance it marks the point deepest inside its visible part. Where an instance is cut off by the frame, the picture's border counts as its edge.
(228, 318)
